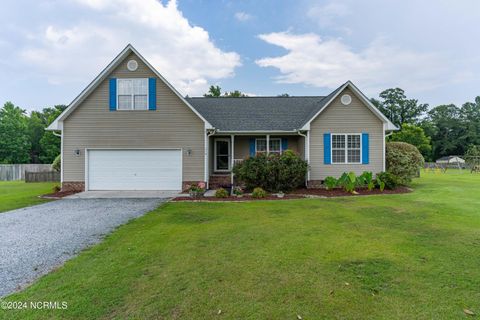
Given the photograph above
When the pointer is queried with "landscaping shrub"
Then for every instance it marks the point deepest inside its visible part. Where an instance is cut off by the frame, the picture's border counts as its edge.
(237, 191)
(259, 193)
(366, 180)
(57, 163)
(330, 183)
(387, 179)
(272, 172)
(348, 181)
(221, 193)
(403, 160)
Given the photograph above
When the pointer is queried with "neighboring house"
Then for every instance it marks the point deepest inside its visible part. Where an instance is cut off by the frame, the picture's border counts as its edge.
(131, 130)
(454, 161)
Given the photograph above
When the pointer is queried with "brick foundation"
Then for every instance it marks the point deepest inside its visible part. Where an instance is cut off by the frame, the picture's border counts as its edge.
(219, 181)
(314, 184)
(73, 186)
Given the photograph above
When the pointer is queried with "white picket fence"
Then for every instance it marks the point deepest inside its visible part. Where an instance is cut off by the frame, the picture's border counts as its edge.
(9, 172)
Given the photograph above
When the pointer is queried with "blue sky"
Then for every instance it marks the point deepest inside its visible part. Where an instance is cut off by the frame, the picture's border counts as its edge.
(52, 49)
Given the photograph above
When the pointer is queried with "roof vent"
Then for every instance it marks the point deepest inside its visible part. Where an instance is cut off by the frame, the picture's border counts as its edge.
(132, 65)
(346, 99)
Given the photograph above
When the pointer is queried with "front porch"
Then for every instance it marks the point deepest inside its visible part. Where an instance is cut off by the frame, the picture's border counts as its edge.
(225, 151)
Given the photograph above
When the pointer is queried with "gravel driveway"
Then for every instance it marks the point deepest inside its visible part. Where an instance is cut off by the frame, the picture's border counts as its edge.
(35, 240)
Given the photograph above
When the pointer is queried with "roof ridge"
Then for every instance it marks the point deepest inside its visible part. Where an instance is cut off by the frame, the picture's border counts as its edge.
(250, 97)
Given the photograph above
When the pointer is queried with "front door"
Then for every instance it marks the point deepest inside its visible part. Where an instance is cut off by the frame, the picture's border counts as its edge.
(222, 154)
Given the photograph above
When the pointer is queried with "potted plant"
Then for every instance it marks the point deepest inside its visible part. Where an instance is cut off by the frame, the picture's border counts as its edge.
(238, 192)
(197, 190)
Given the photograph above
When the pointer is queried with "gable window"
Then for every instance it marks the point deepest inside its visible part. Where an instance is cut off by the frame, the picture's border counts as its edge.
(132, 94)
(346, 148)
(275, 145)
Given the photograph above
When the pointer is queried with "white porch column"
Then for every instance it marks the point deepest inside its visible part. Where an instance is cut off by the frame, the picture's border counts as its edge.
(268, 143)
(232, 157)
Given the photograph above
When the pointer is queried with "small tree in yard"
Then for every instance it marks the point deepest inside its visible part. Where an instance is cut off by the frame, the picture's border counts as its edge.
(272, 172)
(403, 160)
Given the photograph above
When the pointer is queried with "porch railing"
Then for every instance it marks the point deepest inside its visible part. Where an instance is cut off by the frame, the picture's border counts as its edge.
(237, 161)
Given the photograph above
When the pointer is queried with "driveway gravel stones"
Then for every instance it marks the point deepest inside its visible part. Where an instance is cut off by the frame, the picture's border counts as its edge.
(35, 240)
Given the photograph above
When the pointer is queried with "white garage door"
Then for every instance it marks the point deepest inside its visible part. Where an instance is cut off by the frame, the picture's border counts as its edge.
(134, 170)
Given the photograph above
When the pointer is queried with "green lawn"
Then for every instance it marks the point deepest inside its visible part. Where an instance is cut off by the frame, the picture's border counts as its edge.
(18, 194)
(410, 256)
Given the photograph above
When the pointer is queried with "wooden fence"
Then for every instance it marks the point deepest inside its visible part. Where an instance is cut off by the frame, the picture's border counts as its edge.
(42, 176)
(9, 172)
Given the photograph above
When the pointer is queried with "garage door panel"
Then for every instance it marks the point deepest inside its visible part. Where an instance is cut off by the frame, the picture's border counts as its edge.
(134, 169)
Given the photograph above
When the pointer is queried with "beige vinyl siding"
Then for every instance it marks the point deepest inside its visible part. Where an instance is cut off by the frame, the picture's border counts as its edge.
(172, 125)
(338, 118)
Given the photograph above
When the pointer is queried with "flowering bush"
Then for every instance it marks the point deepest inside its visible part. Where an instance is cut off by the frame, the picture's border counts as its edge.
(197, 190)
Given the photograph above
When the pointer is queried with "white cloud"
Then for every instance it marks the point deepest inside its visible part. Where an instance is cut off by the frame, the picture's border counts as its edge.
(329, 63)
(325, 15)
(242, 16)
(183, 53)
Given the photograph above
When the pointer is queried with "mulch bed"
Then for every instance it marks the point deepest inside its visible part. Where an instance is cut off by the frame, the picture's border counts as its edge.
(338, 192)
(244, 198)
(300, 194)
(58, 195)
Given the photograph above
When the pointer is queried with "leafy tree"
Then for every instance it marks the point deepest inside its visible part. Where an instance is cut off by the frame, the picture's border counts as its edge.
(396, 107)
(234, 94)
(36, 130)
(444, 126)
(14, 135)
(213, 92)
(470, 118)
(414, 135)
(286, 95)
(49, 143)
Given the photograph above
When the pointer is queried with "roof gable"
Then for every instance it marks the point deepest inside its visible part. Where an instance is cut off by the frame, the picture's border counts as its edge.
(332, 96)
(57, 124)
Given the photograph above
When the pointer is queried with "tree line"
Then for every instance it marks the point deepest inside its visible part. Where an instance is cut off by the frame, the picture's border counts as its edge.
(439, 131)
(23, 138)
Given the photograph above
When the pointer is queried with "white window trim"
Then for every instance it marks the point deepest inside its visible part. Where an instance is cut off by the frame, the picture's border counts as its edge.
(271, 139)
(346, 147)
(133, 96)
(215, 155)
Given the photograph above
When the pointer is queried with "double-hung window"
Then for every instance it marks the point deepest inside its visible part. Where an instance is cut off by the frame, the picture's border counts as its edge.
(132, 94)
(346, 148)
(275, 145)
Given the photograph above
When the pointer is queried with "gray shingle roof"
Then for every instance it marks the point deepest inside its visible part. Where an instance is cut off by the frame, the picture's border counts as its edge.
(258, 113)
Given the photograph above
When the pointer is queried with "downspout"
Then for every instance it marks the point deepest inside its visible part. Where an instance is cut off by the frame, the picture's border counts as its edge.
(307, 154)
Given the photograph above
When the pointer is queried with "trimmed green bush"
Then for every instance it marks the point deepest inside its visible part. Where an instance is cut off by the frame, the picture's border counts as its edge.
(403, 160)
(272, 172)
(259, 193)
(330, 183)
(221, 193)
(387, 180)
(57, 163)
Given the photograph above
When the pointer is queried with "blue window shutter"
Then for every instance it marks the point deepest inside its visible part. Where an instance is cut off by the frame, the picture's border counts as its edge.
(113, 94)
(327, 147)
(252, 147)
(284, 144)
(152, 94)
(365, 147)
